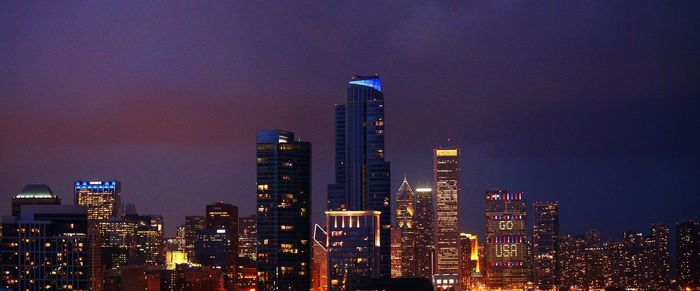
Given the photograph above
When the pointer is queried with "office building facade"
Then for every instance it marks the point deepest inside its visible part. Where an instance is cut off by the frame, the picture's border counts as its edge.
(507, 241)
(353, 248)
(447, 188)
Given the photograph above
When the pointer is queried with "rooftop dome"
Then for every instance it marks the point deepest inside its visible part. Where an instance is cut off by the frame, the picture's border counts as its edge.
(36, 191)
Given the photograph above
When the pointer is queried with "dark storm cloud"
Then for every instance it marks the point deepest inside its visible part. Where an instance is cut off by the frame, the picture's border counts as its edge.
(587, 103)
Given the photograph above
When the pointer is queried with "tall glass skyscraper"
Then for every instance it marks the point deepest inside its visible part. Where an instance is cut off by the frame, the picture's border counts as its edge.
(283, 208)
(362, 179)
(447, 186)
(546, 245)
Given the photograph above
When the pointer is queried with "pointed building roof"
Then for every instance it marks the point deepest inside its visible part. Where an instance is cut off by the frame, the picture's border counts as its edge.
(35, 191)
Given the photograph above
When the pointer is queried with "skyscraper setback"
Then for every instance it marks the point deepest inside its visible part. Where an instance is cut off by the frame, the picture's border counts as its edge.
(284, 211)
(362, 176)
(447, 189)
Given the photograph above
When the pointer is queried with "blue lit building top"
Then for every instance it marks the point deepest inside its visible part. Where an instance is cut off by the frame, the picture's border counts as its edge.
(274, 136)
(373, 82)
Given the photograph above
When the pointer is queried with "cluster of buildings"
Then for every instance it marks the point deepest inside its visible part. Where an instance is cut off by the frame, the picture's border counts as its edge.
(371, 239)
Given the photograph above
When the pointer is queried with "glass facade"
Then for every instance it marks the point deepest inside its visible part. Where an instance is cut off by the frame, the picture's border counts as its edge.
(353, 248)
(362, 176)
(283, 210)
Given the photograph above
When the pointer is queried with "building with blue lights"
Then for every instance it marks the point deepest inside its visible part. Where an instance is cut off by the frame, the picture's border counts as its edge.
(362, 176)
(283, 210)
(103, 199)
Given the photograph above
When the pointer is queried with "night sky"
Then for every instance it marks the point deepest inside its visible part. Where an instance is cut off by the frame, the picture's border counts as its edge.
(591, 103)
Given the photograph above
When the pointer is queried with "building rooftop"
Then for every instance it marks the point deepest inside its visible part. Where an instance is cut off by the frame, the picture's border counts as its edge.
(36, 191)
(373, 82)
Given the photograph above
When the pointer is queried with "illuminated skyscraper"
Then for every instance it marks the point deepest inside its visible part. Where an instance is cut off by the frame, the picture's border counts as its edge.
(284, 205)
(362, 181)
(247, 236)
(688, 254)
(46, 248)
(353, 248)
(425, 233)
(405, 225)
(546, 244)
(507, 243)
(34, 194)
(447, 189)
(103, 199)
(149, 238)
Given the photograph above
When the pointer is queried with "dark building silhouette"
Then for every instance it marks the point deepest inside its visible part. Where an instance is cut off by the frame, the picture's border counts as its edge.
(283, 211)
(545, 244)
(688, 254)
(193, 225)
(425, 232)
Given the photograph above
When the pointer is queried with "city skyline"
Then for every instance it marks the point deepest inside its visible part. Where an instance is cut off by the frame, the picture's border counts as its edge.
(165, 156)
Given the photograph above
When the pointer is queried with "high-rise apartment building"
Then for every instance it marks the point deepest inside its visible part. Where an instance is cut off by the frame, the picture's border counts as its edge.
(46, 248)
(103, 199)
(545, 244)
(583, 262)
(424, 220)
(447, 189)
(507, 243)
(362, 176)
(353, 248)
(283, 211)
(405, 226)
(688, 254)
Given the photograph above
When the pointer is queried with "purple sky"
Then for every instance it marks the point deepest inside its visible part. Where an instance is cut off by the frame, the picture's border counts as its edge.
(594, 104)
